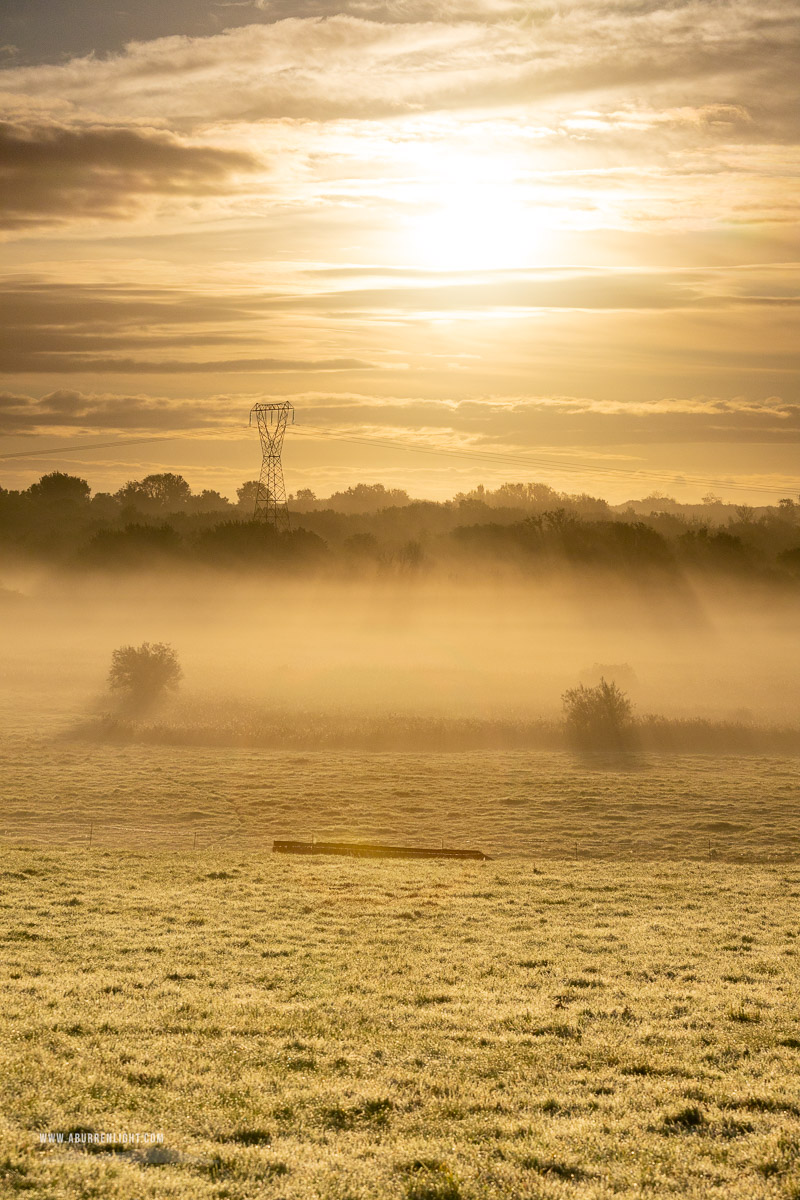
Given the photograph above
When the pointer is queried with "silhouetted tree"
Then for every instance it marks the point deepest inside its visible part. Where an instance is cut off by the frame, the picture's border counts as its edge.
(410, 556)
(714, 548)
(364, 546)
(208, 501)
(59, 488)
(247, 493)
(104, 507)
(143, 673)
(166, 491)
(258, 544)
(524, 526)
(135, 545)
(368, 497)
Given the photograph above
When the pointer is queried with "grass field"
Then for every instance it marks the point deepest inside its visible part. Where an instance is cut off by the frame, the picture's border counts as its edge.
(541, 804)
(414, 1030)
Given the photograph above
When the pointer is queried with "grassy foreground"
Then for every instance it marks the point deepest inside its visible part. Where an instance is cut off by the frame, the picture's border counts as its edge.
(415, 1030)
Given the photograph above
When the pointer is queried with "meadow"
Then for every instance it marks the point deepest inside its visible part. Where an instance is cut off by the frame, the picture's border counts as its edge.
(608, 1007)
(420, 1031)
(536, 804)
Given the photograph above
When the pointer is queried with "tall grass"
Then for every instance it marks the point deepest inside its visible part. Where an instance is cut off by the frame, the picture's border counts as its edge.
(236, 725)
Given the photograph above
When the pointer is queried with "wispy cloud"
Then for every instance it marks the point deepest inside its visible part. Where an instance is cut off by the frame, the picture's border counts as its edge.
(51, 173)
(377, 59)
(503, 423)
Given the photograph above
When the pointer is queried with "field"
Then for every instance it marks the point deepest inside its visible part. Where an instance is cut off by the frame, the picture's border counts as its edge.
(606, 1008)
(414, 1030)
(535, 804)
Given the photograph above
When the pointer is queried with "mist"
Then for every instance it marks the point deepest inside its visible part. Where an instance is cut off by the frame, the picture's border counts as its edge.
(487, 649)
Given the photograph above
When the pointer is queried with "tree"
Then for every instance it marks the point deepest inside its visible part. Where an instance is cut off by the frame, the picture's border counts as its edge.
(363, 545)
(258, 544)
(156, 491)
(143, 673)
(135, 545)
(60, 488)
(598, 718)
(368, 498)
(208, 501)
(790, 561)
(411, 556)
(306, 498)
(246, 494)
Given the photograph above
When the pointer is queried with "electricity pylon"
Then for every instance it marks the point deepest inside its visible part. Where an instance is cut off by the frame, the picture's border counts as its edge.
(272, 420)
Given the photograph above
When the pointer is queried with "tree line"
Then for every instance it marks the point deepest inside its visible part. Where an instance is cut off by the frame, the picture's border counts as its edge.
(369, 528)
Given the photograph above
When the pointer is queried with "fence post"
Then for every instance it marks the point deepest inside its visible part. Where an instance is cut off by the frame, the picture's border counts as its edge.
(91, 833)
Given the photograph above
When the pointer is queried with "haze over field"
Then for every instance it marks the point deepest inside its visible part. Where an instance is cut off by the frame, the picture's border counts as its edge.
(407, 711)
(418, 647)
(403, 675)
(486, 607)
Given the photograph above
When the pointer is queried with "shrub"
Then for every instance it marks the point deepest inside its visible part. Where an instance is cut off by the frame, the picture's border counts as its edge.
(143, 673)
(598, 718)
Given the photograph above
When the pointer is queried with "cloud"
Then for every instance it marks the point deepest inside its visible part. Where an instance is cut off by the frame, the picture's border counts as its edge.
(66, 364)
(375, 60)
(507, 424)
(318, 69)
(65, 410)
(402, 12)
(47, 328)
(52, 173)
(602, 113)
(567, 290)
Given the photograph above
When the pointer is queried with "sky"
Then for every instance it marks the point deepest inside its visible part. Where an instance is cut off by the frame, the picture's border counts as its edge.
(471, 241)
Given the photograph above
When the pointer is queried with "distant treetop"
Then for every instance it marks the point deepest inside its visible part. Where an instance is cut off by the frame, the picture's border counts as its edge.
(60, 488)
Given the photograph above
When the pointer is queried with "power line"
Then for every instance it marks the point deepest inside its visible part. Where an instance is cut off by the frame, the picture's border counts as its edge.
(497, 458)
(56, 451)
(501, 458)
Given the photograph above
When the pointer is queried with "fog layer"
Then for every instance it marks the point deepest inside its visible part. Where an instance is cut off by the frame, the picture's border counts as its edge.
(492, 649)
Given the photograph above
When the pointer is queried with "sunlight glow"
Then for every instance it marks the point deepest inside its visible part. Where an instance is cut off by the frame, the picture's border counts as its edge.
(472, 214)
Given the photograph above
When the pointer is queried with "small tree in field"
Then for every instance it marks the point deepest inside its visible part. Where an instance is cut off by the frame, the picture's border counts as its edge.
(143, 673)
(598, 718)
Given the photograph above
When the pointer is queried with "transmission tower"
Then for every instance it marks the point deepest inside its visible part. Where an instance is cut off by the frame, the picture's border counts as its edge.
(272, 420)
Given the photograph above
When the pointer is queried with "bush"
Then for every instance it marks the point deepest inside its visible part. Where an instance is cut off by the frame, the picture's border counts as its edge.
(598, 718)
(144, 672)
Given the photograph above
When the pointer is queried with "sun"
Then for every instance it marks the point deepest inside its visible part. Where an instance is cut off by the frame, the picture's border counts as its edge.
(470, 213)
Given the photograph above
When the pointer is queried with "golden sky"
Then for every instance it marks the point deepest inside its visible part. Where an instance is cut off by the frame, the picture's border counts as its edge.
(559, 239)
